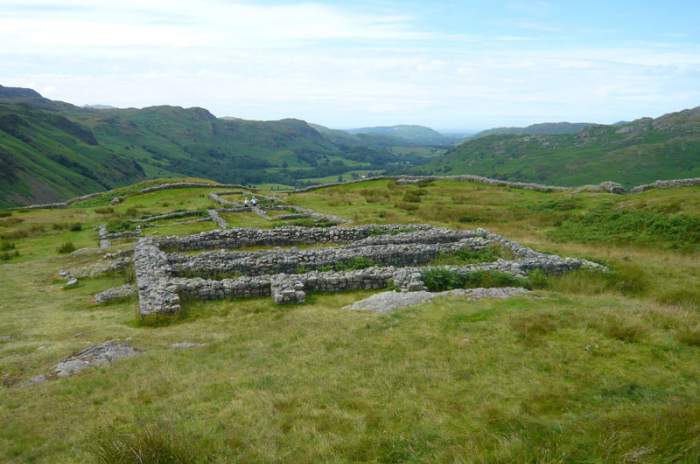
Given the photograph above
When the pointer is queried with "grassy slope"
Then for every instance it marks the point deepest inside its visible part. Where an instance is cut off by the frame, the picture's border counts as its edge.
(638, 152)
(589, 370)
(44, 156)
(51, 150)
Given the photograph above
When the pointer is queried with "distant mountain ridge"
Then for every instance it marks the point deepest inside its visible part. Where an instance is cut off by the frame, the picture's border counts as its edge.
(545, 128)
(18, 93)
(637, 152)
(414, 134)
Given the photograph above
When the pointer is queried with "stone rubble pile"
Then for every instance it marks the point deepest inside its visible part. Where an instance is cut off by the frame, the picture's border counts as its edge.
(119, 263)
(116, 293)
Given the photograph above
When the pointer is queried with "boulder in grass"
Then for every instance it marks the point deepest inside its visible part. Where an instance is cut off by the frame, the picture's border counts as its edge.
(96, 355)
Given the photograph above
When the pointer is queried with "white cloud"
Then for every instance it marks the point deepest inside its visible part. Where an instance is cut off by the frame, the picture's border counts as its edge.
(328, 64)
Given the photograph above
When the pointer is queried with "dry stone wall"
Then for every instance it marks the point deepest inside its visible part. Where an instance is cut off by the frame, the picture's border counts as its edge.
(607, 186)
(664, 184)
(178, 185)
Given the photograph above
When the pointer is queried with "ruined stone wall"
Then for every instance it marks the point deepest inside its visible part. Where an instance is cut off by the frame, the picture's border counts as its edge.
(177, 185)
(294, 261)
(397, 250)
(157, 295)
(173, 215)
(214, 215)
(237, 238)
(467, 178)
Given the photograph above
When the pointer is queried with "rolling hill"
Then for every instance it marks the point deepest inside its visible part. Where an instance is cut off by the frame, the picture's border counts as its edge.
(545, 128)
(630, 153)
(411, 134)
(53, 150)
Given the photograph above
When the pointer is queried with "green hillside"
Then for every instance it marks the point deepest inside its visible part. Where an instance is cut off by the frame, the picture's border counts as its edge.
(52, 150)
(632, 153)
(45, 156)
(545, 128)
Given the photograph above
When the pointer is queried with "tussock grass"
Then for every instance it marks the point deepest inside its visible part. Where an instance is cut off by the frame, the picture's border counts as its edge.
(438, 280)
(689, 336)
(66, 248)
(150, 443)
(11, 221)
(468, 255)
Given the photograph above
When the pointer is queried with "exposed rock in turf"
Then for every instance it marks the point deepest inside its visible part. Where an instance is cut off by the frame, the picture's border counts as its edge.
(37, 379)
(86, 252)
(186, 345)
(389, 301)
(96, 355)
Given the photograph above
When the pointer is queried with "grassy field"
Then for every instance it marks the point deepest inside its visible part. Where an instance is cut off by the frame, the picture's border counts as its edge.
(587, 368)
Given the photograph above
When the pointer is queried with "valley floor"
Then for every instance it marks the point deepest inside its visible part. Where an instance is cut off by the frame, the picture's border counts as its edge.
(586, 368)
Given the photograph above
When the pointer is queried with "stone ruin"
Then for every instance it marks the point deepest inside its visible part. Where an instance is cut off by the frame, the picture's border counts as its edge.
(266, 205)
(168, 270)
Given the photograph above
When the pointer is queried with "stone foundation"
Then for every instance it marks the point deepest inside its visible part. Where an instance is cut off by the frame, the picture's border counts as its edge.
(396, 252)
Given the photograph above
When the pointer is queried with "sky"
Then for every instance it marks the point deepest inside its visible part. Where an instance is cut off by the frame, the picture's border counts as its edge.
(450, 65)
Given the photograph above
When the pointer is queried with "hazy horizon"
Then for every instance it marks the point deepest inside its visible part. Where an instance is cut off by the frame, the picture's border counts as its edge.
(453, 66)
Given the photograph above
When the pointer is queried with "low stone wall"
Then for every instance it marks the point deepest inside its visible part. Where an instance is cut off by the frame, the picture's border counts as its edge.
(607, 186)
(61, 204)
(105, 236)
(467, 178)
(176, 214)
(214, 215)
(292, 288)
(102, 236)
(216, 197)
(293, 261)
(664, 184)
(238, 238)
(157, 295)
(178, 185)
